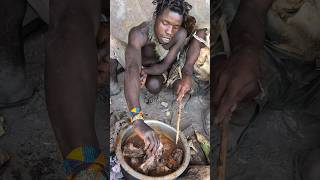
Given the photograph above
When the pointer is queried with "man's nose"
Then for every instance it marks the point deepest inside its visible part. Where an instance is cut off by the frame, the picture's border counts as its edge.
(169, 30)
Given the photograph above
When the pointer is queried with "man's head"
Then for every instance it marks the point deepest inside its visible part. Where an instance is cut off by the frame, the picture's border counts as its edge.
(169, 16)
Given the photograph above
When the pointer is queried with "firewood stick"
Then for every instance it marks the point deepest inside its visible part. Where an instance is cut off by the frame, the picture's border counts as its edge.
(221, 166)
(178, 120)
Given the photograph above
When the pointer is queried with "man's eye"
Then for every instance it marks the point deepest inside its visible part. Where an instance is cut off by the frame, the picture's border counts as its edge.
(164, 23)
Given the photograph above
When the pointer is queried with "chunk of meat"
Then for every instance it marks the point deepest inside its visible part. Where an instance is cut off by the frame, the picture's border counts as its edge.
(134, 162)
(162, 169)
(175, 162)
(167, 159)
(148, 165)
(152, 160)
(177, 155)
(129, 150)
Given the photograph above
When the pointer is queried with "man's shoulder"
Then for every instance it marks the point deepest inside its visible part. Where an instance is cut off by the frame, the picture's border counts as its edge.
(139, 33)
(141, 29)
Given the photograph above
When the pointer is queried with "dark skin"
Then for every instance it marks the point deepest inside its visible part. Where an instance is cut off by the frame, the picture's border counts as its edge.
(139, 52)
(71, 72)
(236, 78)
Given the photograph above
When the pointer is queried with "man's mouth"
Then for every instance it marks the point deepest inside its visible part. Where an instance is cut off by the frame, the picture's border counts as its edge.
(166, 39)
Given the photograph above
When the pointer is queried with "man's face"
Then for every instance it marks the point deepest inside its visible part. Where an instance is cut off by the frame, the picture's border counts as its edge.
(167, 25)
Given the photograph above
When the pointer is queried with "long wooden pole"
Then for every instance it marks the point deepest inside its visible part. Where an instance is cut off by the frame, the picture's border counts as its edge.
(178, 120)
(221, 164)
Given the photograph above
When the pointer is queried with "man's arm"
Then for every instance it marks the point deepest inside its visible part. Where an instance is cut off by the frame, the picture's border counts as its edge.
(161, 67)
(193, 52)
(132, 87)
(247, 27)
(241, 72)
(184, 85)
(133, 67)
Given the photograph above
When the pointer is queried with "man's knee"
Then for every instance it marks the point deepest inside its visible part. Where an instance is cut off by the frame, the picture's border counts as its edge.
(154, 84)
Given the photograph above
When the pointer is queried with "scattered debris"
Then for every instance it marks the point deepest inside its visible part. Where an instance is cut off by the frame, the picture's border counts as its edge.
(115, 130)
(196, 172)
(197, 157)
(190, 143)
(150, 98)
(205, 145)
(164, 104)
(189, 131)
(115, 172)
(168, 113)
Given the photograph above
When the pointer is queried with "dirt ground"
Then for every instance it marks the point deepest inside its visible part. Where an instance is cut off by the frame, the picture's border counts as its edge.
(274, 146)
(29, 138)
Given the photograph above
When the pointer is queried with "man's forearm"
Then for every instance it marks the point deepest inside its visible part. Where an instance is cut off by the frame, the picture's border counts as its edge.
(188, 67)
(193, 53)
(132, 76)
(132, 87)
(247, 28)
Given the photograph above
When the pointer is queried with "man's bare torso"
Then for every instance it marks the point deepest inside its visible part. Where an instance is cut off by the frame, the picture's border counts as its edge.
(148, 52)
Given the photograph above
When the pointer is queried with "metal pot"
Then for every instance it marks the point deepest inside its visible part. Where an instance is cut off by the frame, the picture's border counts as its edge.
(130, 173)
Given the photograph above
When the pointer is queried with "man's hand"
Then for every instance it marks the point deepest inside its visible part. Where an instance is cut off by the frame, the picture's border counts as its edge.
(184, 86)
(237, 81)
(145, 132)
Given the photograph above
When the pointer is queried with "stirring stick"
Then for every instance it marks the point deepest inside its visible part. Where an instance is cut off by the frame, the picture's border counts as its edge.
(178, 120)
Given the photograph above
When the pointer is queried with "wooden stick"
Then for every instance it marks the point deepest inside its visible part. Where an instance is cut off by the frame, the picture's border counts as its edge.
(221, 165)
(178, 120)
